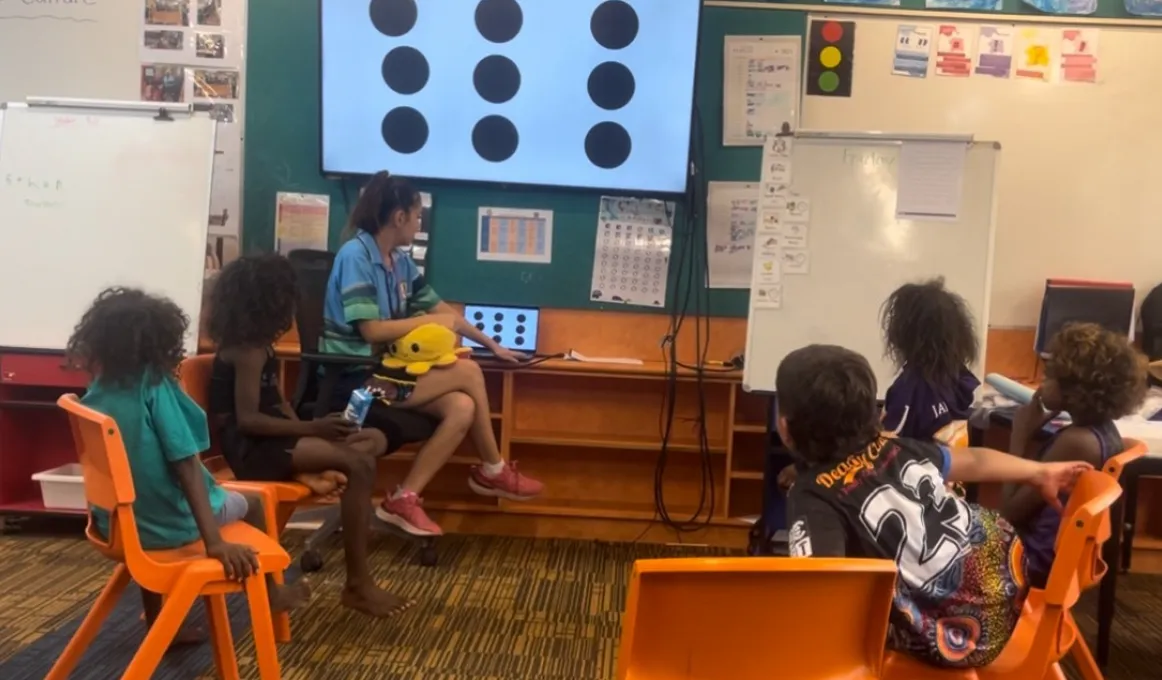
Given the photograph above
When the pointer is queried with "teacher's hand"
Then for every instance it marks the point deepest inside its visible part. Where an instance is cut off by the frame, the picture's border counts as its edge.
(506, 355)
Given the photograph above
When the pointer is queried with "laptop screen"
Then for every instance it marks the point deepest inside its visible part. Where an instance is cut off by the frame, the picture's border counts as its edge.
(513, 328)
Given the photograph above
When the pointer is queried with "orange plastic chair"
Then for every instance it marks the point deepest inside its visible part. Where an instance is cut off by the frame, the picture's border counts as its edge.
(282, 497)
(756, 618)
(1087, 666)
(180, 576)
(1045, 632)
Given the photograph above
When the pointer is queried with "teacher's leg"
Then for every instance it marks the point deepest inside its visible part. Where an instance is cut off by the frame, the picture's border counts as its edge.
(493, 477)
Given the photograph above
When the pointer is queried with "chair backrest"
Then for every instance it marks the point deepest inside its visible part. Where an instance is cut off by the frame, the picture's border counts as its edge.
(195, 374)
(105, 468)
(1078, 565)
(755, 617)
(313, 271)
(1134, 450)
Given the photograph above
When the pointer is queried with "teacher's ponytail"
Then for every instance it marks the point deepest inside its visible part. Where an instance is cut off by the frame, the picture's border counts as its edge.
(381, 197)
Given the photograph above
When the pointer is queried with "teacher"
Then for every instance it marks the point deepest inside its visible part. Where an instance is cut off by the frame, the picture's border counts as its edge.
(376, 295)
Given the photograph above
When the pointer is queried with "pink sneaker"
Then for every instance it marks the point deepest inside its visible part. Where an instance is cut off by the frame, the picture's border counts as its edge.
(407, 513)
(508, 484)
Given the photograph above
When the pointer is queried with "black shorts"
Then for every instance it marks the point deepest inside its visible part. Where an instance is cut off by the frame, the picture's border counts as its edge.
(400, 426)
(258, 459)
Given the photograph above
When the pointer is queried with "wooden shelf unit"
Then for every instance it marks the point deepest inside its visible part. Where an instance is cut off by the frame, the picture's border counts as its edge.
(593, 434)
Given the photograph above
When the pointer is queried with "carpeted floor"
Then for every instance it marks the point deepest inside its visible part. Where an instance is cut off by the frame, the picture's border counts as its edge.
(494, 609)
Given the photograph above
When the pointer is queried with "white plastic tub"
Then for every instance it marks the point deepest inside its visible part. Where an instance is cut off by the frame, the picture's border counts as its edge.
(62, 488)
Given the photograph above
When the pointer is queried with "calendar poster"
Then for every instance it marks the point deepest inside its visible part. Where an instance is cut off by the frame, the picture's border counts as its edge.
(511, 235)
(631, 259)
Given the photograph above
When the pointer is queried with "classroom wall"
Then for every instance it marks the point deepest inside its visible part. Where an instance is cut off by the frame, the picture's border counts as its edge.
(282, 154)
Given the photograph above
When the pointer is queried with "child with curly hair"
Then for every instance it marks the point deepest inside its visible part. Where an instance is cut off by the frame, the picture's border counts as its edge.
(131, 343)
(930, 334)
(251, 306)
(1096, 376)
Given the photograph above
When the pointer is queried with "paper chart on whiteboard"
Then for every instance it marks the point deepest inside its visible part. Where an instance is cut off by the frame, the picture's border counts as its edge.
(631, 258)
(732, 210)
(760, 87)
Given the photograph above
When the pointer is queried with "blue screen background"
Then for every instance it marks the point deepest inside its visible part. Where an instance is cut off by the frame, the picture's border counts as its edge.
(552, 111)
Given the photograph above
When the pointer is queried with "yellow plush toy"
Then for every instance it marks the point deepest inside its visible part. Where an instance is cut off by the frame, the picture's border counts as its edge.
(427, 346)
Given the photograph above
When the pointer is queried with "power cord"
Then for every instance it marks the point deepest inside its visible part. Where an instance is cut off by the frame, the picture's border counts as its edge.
(691, 277)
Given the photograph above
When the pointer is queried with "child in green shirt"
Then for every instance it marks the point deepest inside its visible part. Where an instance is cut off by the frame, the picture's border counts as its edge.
(131, 343)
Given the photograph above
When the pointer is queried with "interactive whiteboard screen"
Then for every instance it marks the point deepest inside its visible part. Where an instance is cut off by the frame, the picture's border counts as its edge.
(573, 93)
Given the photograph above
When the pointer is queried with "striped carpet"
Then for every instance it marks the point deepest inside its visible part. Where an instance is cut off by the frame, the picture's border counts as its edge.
(494, 609)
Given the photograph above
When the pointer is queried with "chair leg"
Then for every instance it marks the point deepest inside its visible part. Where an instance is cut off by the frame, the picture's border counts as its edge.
(220, 637)
(84, 636)
(1086, 666)
(265, 649)
(161, 634)
(1055, 673)
(1107, 589)
(282, 629)
(1129, 513)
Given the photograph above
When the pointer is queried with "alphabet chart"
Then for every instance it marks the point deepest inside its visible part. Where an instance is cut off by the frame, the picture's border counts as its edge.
(631, 259)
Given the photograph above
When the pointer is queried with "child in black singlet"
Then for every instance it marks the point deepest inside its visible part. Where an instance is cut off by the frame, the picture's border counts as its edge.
(1096, 376)
(252, 304)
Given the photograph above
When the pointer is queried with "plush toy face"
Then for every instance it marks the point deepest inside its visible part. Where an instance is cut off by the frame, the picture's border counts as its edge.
(427, 346)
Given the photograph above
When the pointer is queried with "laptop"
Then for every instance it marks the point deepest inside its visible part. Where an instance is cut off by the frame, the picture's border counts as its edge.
(513, 328)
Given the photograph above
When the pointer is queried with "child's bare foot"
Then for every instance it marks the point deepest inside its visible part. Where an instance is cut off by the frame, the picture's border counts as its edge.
(374, 601)
(329, 484)
(292, 596)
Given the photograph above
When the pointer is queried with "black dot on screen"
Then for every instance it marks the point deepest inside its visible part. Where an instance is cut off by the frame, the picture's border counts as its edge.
(497, 328)
(480, 326)
(405, 130)
(607, 145)
(611, 85)
(498, 316)
(499, 20)
(496, 339)
(405, 70)
(520, 318)
(495, 138)
(497, 79)
(520, 330)
(614, 24)
(478, 316)
(519, 341)
(393, 18)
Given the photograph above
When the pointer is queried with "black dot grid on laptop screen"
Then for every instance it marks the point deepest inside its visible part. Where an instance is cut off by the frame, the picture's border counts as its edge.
(513, 328)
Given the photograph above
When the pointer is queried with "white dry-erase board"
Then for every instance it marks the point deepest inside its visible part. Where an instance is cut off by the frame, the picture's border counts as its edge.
(94, 198)
(1078, 192)
(859, 252)
(89, 48)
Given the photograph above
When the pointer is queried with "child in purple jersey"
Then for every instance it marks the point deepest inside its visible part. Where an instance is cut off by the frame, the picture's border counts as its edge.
(1097, 377)
(930, 334)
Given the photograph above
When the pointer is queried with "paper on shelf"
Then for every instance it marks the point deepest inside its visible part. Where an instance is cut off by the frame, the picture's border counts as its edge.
(574, 355)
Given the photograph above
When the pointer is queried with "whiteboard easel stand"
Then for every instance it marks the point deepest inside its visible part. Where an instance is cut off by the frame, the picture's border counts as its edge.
(898, 139)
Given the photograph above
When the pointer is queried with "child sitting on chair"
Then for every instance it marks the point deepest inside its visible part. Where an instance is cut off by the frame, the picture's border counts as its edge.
(251, 306)
(930, 335)
(961, 586)
(1096, 376)
(131, 343)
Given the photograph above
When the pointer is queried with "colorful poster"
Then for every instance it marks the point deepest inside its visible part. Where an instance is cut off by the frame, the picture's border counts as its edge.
(1079, 55)
(952, 55)
(913, 51)
(1032, 53)
(511, 235)
(994, 51)
(1064, 6)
